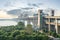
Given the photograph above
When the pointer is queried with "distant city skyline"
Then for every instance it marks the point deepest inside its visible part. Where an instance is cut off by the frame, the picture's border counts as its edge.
(14, 4)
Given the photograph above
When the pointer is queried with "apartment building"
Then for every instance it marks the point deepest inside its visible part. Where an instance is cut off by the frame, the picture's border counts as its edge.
(53, 23)
(49, 22)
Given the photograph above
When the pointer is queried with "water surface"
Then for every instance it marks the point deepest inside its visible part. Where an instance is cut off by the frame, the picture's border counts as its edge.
(7, 23)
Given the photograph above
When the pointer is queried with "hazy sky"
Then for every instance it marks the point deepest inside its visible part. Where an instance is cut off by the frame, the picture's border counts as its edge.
(13, 4)
(4, 15)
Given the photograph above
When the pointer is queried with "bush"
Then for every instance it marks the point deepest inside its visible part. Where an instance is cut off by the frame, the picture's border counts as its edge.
(54, 34)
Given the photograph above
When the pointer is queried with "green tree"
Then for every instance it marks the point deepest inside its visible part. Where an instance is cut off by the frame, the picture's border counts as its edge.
(20, 24)
(15, 33)
(2, 32)
(29, 28)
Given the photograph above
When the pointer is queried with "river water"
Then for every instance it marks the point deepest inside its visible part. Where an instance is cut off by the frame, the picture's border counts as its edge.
(7, 23)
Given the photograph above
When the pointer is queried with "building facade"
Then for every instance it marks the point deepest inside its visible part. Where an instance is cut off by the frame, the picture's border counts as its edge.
(49, 22)
(52, 23)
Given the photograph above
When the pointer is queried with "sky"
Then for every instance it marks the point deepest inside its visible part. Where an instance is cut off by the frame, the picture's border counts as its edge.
(14, 4)
(4, 15)
(7, 5)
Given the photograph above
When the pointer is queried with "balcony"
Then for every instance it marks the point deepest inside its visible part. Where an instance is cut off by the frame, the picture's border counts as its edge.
(47, 22)
(50, 21)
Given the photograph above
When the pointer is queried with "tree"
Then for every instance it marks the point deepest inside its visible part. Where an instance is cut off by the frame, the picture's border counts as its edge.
(15, 33)
(1, 32)
(20, 24)
(29, 28)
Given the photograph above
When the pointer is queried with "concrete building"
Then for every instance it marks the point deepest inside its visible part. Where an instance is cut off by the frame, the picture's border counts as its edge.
(41, 20)
(49, 22)
(52, 23)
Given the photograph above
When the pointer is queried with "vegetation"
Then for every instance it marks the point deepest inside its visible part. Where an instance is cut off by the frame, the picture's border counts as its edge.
(20, 32)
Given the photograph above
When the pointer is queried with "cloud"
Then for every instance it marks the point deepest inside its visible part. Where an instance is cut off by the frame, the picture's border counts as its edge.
(9, 3)
(35, 4)
(27, 8)
(4, 14)
(14, 4)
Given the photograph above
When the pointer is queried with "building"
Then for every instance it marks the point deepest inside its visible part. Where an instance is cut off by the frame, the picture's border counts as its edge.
(47, 21)
(52, 23)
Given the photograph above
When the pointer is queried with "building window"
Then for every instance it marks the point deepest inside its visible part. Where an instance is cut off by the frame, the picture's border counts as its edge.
(52, 20)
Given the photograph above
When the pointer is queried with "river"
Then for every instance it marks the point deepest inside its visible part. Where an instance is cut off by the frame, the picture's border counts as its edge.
(7, 23)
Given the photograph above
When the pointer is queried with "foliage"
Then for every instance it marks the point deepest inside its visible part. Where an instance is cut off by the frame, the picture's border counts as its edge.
(29, 28)
(54, 34)
(20, 24)
(19, 32)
